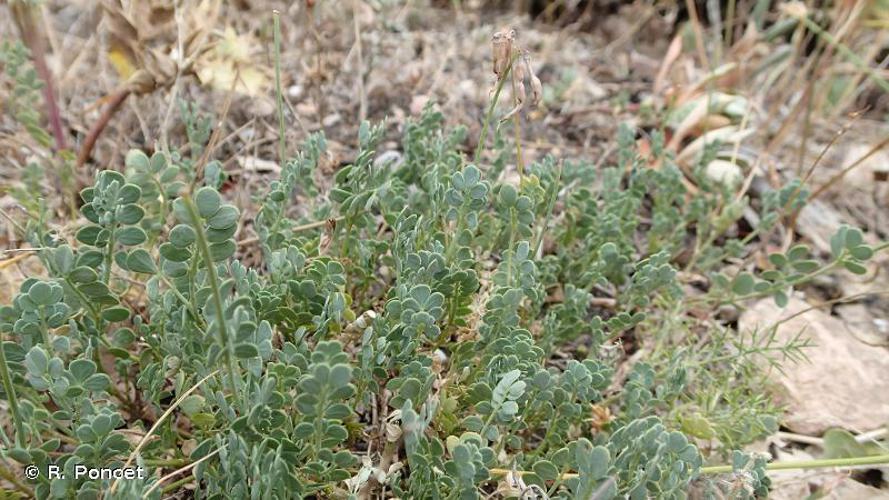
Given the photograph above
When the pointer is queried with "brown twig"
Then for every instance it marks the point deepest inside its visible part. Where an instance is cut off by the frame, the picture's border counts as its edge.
(114, 103)
(32, 35)
(699, 33)
(842, 173)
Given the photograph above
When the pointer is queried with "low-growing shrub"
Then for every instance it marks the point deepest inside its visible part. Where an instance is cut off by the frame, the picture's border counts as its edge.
(427, 328)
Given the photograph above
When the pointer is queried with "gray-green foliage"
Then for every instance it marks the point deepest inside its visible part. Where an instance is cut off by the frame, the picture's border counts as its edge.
(25, 97)
(444, 320)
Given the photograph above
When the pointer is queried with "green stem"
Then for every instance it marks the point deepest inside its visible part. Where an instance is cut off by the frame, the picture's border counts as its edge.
(517, 131)
(188, 305)
(842, 49)
(86, 303)
(511, 249)
(14, 480)
(558, 482)
(279, 95)
(216, 295)
(458, 226)
(549, 211)
(11, 397)
(170, 462)
(106, 273)
(544, 443)
(44, 329)
(176, 484)
(774, 288)
(490, 113)
(488, 421)
(723, 469)
(808, 464)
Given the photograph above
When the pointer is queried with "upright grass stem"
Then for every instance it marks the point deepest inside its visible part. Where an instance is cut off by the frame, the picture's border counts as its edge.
(216, 296)
(517, 130)
(279, 95)
(11, 398)
(861, 64)
(808, 464)
(490, 113)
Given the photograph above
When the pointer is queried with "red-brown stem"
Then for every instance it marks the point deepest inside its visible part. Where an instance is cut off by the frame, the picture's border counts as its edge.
(49, 97)
(96, 130)
(32, 35)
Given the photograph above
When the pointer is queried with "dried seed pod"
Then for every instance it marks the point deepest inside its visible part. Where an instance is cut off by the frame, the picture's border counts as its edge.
(501, 46)
(536, 86)
(520, 92)
(518, 73)
(536, 90)
(520, 98)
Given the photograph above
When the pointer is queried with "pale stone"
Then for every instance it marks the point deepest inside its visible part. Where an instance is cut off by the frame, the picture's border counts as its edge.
(843, 383)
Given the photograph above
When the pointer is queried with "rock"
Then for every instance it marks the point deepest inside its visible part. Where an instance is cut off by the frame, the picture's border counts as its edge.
(823, 483)
(867, 172)
(255, 164)
(724, 172)
(843, 383)
(818, 221)
(863, 325)
(834, 486)
(849, 489)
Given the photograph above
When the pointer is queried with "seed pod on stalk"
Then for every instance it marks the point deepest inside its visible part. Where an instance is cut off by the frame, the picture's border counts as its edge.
(501, 45)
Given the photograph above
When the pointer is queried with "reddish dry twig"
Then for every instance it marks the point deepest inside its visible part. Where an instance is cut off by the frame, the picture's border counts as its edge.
(32, 36)
(95, 131)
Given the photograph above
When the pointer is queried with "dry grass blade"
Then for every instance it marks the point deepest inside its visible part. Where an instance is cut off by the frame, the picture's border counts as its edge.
(842, 173)
(176, 472)
(159, 421)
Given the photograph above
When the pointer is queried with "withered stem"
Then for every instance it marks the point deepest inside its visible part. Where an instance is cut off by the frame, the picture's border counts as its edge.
(32, 35)
(96, 130)
(487, 122)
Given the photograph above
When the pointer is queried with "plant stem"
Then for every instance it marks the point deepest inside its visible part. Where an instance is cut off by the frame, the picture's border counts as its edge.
(176, 484)
(808, 464)
(488, 421)
(549, 211)
(13, 478)
(163, 417)
(490, 113)
(172, 462)
(517, 131)
(722, 469)
(86, 302)
(25, 15)
(109, 254)
(114, 103)
(845, 51)
(842, 173)
(216, 295)
(187, 468)
(11, 397)
(278, 94)
(774, 288)
(188, 305)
